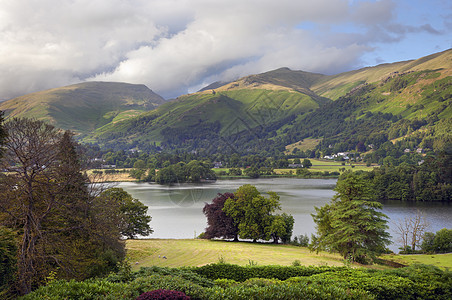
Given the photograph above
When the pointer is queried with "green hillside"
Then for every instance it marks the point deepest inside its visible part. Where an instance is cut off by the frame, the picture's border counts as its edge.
(416, 105)
(84, 107)
(339, 85)
(266, 112)
(261, 113)
(209, 114)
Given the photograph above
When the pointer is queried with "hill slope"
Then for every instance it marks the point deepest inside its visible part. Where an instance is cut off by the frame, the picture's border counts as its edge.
(252, 103)
(85, 106)
(339, 85)
(265, 112)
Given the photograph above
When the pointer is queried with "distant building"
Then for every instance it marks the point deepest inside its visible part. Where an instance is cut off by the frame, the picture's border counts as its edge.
(217, 164)
(108, 166)
(407, 150)
(295, 166)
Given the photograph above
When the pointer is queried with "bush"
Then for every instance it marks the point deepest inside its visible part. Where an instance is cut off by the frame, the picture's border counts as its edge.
(184, 273)
(176, 283)
(242, 273)
(8, 260)
(74, 290)
(163, 295)
(441, 242)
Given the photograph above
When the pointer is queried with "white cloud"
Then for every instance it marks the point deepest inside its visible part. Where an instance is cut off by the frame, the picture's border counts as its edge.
(173, 46)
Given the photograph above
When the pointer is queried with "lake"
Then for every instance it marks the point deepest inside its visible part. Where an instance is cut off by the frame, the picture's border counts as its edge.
(176, 210)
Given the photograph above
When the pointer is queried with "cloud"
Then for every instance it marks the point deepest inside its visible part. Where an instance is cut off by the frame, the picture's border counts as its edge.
(175, 46)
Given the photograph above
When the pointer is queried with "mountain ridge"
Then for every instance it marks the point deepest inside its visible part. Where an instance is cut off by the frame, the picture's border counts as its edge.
(83, 107)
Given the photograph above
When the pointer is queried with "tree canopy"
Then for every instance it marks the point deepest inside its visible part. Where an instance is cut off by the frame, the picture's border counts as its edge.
(351, 224)
(252, 213)
(63, 226)
(219, 224)
(132, 214)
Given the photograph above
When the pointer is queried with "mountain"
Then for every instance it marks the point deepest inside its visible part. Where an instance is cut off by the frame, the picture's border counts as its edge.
(339, 85)
(254, 102)
(85, 106)
(265, 112)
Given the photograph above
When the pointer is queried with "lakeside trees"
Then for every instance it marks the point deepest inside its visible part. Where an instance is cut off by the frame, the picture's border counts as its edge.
(62, 225)
(351, 224)
(249, 215)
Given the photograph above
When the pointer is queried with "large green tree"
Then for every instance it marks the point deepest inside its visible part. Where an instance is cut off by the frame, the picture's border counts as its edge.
(351, 224)
(131, 213)
(253, 214)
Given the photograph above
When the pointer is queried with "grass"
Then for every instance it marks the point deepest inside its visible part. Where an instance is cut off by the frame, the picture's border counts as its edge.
(306, 144)
(116, 177)
(443, 261)
(194, 252)
(330, 166)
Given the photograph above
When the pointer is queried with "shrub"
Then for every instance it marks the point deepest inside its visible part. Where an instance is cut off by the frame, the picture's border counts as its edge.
(163, 295)
(242, 273)
(75, 290)
(296, 263)
(184, 273)
(8, 260)
(166, 282)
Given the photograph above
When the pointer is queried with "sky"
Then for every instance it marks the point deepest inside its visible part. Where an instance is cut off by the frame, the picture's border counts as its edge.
(179, 46)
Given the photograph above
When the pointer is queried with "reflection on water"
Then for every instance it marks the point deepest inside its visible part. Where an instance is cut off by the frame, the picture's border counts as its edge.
(177, 210)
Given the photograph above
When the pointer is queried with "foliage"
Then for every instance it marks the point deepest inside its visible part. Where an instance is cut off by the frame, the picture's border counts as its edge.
(8, 259)
(219, 224)
(439, 242)
(162, 295)
(194, 171)
(429, 181)
(133, 218)
(301, 240)
(242, 273)
(351, 224)
(267, 282)
(252, 213)
(63, 229)
(306, 163)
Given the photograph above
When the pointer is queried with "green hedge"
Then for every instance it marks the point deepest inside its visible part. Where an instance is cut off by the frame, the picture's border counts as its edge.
(242, 273)
(263, 282)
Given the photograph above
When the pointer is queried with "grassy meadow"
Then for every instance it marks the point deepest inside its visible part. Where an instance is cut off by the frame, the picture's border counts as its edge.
(443, 261)
(195, 252)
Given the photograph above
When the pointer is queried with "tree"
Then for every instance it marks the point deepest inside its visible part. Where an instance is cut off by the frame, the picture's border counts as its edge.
(132, 214)
(235, 172)
(252, 172)
(351, 224)
(411, 231)
(220, 225)
(441, 242)
(8, 259)
(46, 199)
(306, 163)
(252, 213)
(195, 171)
(281, 228)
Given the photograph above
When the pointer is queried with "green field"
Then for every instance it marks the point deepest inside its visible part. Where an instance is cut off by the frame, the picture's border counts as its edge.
(194, 252)
(443, 261)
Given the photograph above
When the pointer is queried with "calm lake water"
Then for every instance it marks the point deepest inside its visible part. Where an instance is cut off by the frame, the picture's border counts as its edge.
(176, 210)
